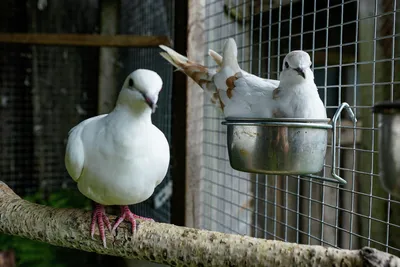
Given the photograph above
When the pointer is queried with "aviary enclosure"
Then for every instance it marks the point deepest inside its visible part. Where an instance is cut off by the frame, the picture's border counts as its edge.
(64, 61)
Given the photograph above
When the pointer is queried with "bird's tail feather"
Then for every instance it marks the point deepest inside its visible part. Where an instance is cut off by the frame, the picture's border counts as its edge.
(230, 55)
(199, 73)
(216, 57)
(176, 59)
(229, 67)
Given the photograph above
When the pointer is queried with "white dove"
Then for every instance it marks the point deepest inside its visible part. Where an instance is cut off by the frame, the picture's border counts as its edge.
(297, 95)
(243, 95)
(120, 157)
(236, 92)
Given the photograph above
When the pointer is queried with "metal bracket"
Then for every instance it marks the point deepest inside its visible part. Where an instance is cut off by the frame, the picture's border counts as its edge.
(350, 112)
(336, 178)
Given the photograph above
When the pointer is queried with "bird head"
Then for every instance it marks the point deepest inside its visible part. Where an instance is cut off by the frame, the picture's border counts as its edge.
(141, 89)
(296, 67)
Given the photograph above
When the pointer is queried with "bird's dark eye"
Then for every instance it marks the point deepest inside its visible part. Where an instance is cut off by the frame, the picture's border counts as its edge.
(286, 65)
(130, 82)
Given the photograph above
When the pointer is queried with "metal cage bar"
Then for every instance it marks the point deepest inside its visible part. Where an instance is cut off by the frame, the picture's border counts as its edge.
(346, 40)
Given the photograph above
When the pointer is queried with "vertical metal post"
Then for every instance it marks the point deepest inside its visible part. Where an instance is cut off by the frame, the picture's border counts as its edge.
(178, 130)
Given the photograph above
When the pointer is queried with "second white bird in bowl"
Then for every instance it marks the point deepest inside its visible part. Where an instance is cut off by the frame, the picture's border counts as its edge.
(240, 94)
(273, 127)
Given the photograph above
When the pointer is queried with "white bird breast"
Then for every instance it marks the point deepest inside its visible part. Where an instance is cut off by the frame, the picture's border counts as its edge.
(124, 171)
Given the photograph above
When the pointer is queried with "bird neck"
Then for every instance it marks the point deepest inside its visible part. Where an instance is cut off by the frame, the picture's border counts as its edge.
(290, 78)
(139, 110)
(296, 82)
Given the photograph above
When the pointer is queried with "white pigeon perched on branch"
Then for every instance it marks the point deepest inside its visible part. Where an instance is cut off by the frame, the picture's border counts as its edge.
(236, 92)
(120, 157)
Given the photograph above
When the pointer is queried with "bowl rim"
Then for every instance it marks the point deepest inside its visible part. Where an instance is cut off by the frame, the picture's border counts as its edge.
(387, 107)
(262, 120)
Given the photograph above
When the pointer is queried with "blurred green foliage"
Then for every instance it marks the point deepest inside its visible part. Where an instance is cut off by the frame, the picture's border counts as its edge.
(37, 254)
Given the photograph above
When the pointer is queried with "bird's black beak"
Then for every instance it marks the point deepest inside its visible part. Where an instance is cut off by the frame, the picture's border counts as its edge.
(151, 103)
(300, 71)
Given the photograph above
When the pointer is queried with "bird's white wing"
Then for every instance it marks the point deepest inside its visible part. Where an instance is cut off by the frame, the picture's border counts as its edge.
(75, 151)
(253, 85)
(244, 94)
(224, 78)
(250, 81)
(236, 92)
(219, 59)
(256, 93)
(250, 97)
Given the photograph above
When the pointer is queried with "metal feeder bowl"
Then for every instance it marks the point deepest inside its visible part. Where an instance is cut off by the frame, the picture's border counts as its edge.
(282, 146)
(389, 145)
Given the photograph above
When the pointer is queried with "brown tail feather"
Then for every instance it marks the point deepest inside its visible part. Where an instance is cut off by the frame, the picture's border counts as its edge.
(199, 73)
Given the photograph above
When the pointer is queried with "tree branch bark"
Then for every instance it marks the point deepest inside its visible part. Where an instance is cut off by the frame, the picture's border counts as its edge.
(159, 242)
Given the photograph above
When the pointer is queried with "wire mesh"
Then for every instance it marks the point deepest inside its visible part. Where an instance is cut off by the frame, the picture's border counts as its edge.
(46, 90)
(354, 50)
(138, 17)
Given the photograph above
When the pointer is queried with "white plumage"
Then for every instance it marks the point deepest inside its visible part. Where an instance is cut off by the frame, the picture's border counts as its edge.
(241, 94)
(119, 158)
(297, 95)
(236, 92)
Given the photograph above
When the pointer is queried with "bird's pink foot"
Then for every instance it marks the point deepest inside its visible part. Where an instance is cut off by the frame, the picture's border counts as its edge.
(101, 218)
(126, 214)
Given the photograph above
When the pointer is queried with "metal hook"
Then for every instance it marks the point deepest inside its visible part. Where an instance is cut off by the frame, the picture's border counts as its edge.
(350, 112)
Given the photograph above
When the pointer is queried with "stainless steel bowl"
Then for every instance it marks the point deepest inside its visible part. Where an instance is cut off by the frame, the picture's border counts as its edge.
(389, 145)
(282, 146)
(272, 146)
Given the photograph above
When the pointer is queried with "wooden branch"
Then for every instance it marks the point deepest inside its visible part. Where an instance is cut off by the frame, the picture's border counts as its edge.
(84, 39)
(159, 242)
(375, 258)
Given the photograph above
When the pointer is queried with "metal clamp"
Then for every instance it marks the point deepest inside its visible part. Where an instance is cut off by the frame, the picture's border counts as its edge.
(336, 178)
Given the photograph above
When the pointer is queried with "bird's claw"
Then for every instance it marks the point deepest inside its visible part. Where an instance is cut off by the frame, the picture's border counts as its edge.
(101, 218)
(126, 214)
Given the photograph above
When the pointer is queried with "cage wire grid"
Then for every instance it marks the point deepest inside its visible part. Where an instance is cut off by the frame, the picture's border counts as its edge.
(45, 90)
(151, 18)
(352, 45)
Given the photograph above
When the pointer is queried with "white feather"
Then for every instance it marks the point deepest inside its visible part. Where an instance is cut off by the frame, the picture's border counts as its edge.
(75, 152)
(119, 158)
(298, 96)
(252, 96)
